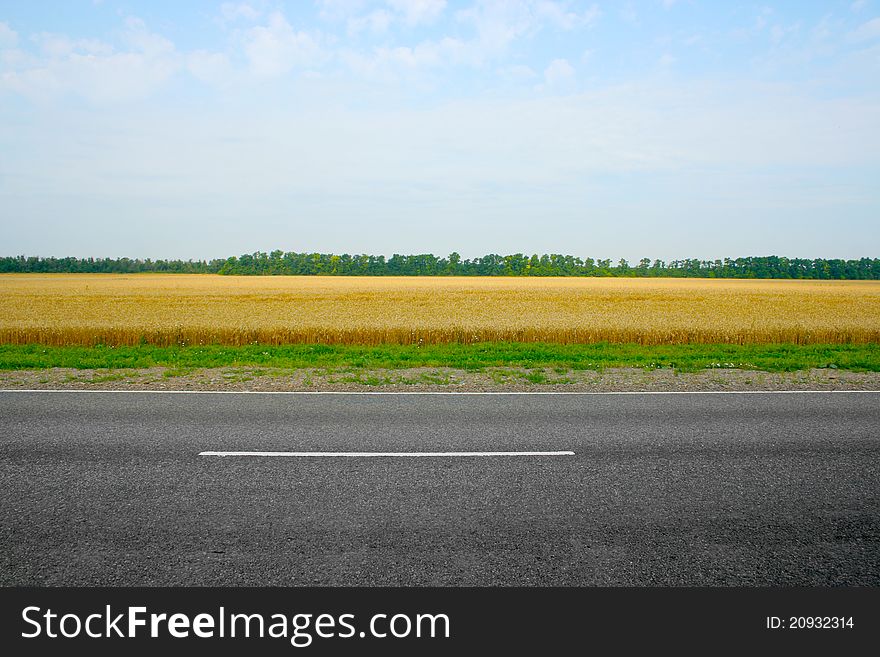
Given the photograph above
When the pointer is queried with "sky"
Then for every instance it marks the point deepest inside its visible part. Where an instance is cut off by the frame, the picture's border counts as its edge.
(663, 128)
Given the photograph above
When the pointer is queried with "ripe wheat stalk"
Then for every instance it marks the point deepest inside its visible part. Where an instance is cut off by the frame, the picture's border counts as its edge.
(175, 309)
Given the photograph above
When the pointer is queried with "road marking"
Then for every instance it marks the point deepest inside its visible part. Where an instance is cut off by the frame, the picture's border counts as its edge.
(383, 454)
(442, 392)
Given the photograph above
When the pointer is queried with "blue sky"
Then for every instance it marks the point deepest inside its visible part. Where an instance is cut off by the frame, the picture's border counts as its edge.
(662, 129)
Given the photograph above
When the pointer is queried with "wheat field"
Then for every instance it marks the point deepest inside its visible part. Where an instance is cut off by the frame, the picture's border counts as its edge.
(168, 309)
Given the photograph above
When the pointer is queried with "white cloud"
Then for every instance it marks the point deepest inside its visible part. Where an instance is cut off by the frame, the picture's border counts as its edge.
(858, 5)
(13, 59)
(866, 31)
(139, 38)
(113, 78)
(669, 4)
(628, 13)
(8, 36)
(95, 70)
(210, 67)
(591, 14)
(59, 45)
(416, 12)
(762, 18)
(339, 10)
(232, 12)
(519, 72)
(497, 24)
(559, 15)
(559, 75)
(276, 48)
(376, 21)
(390, 63)
(666, 60)
(559, 69)
(825, 28)
(358, 17)
(778, 33)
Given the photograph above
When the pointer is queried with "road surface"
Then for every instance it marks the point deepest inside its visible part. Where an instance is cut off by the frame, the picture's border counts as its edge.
(675, 489)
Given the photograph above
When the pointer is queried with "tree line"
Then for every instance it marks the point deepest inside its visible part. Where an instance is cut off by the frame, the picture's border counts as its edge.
(279, 263)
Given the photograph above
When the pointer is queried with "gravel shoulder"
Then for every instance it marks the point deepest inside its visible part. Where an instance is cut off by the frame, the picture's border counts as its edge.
(501, 379)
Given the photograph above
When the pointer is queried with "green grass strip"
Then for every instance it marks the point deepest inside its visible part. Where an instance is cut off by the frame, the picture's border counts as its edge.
(771, 357)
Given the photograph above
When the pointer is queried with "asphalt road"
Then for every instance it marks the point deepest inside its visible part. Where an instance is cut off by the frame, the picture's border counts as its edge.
(685, 489)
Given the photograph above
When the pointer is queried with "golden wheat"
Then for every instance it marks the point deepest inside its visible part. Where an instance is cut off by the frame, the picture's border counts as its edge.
(89, 309)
